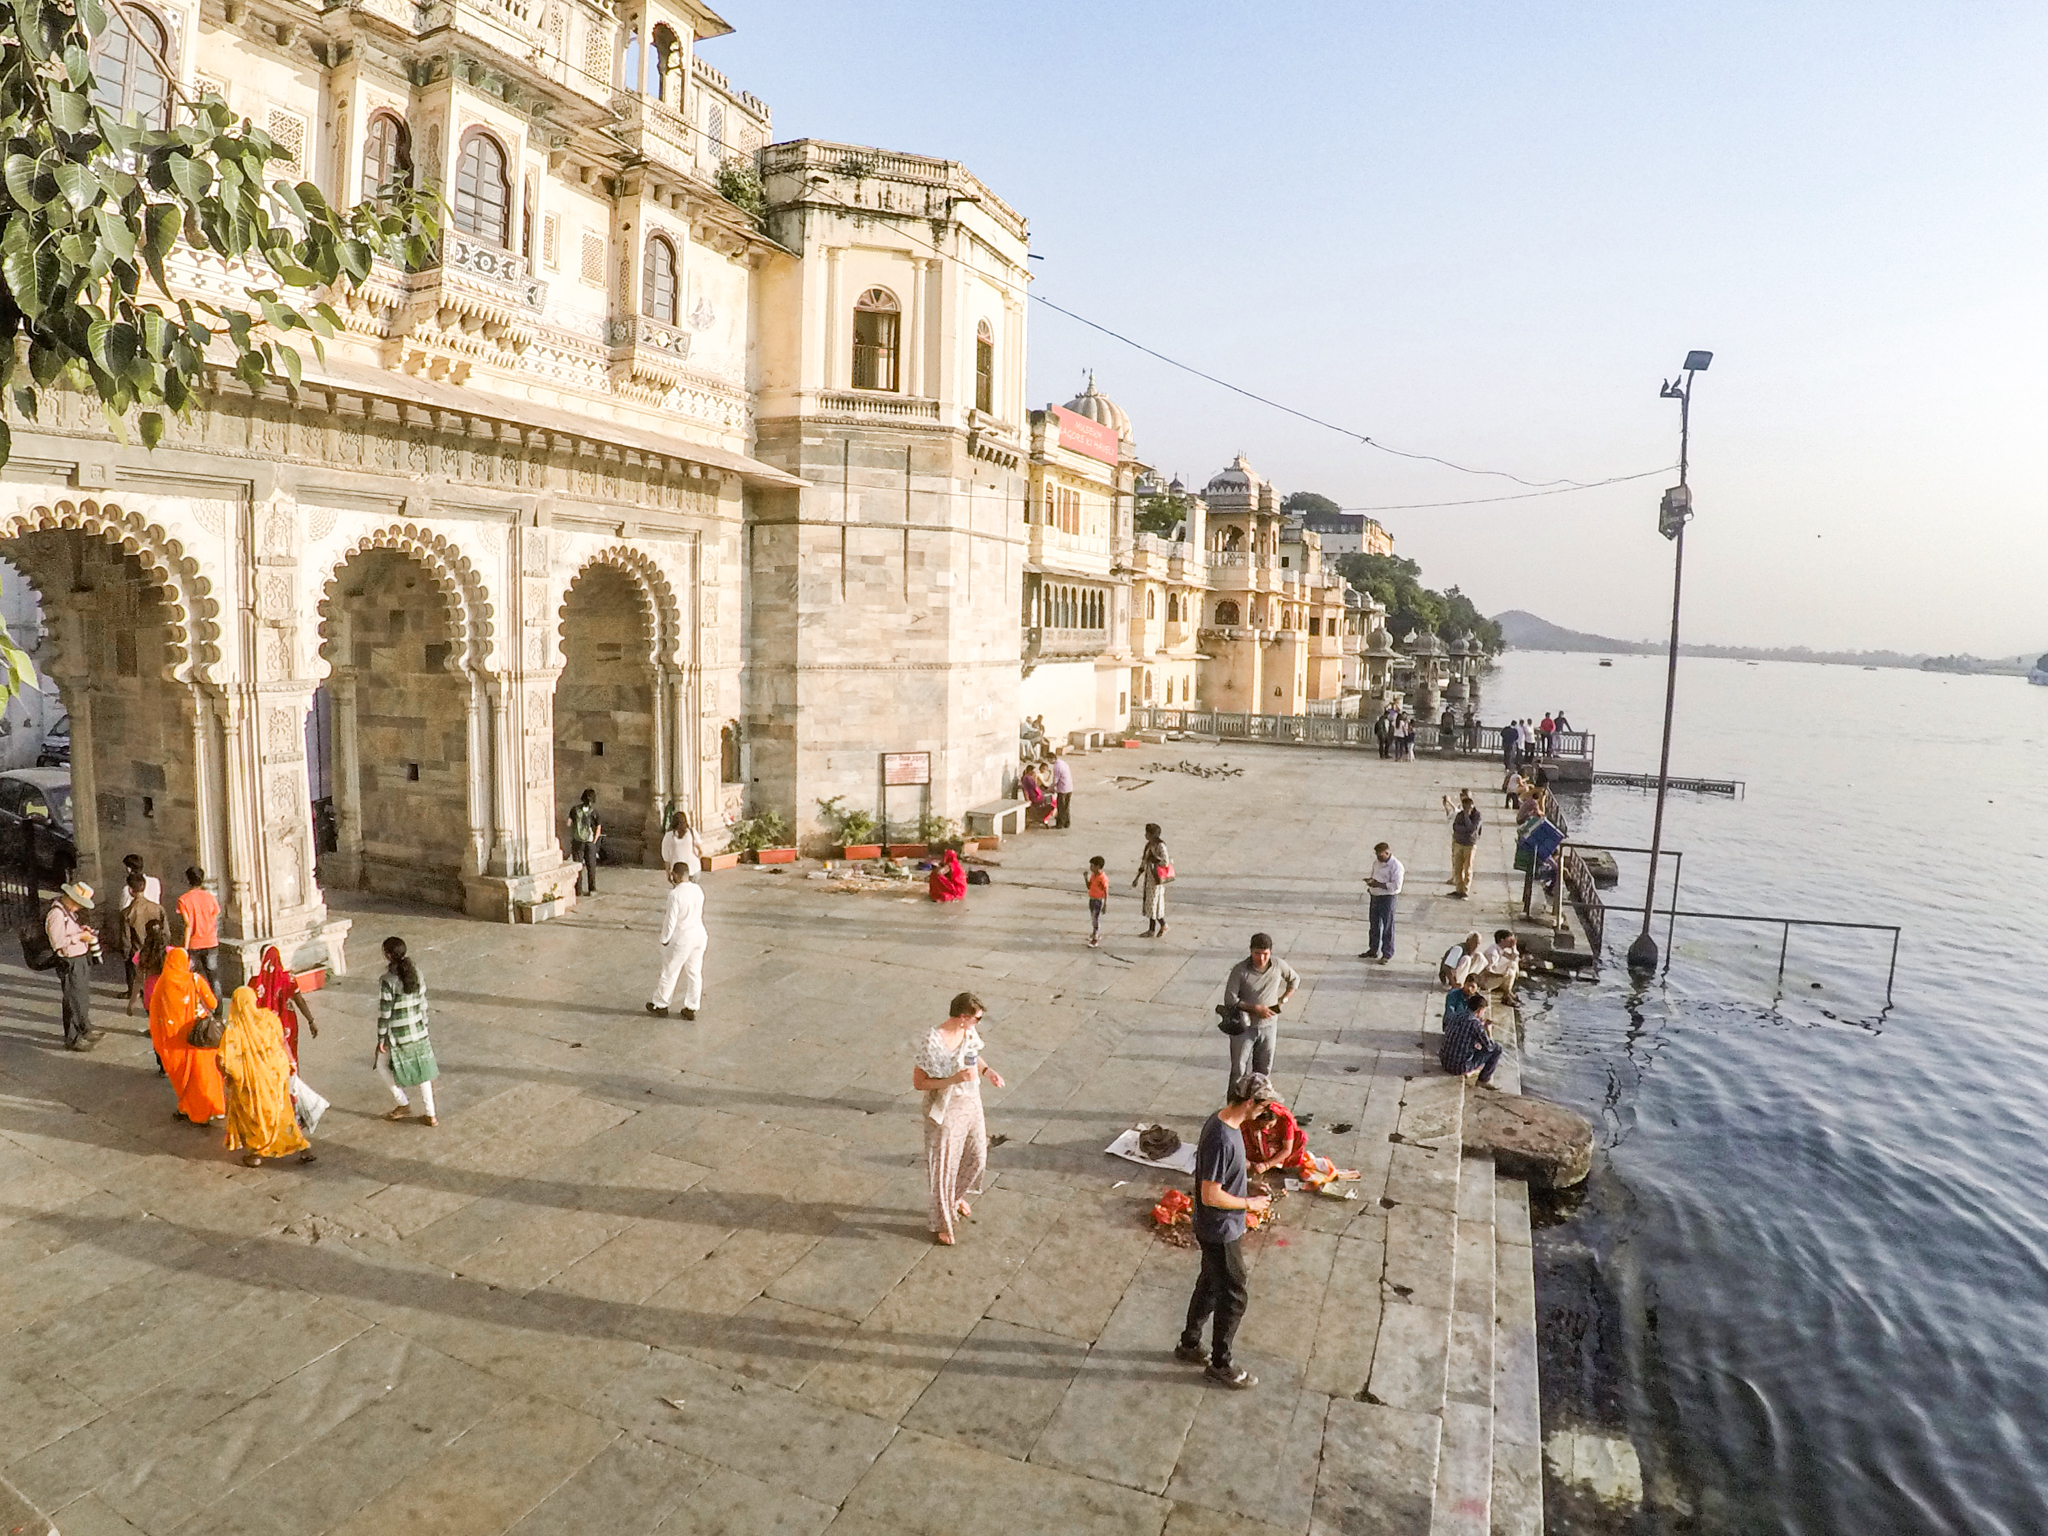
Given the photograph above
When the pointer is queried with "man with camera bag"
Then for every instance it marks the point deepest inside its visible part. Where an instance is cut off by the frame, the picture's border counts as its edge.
(77, 946)
(1250, 1011)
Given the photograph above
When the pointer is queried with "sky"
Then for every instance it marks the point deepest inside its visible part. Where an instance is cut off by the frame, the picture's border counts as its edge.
(1489, 232)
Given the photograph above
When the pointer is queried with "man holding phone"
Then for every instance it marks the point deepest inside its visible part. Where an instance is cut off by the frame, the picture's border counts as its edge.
(1221, 1204)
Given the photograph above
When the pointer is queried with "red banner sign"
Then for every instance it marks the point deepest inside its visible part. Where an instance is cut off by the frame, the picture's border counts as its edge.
(1084, 436)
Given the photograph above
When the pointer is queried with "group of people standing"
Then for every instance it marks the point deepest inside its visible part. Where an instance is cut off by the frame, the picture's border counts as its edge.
(1523, 741)
(230, 1060)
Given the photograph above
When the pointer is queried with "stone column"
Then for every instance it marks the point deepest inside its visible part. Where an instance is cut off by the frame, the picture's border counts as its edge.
(660, 788)
(914, 328)
(85, 815)
(347, 776)
(836, 373)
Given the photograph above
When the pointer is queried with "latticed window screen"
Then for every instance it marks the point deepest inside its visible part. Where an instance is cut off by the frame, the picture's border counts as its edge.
(597, 51)
(288, 129)
(551, 241)
(593, 260)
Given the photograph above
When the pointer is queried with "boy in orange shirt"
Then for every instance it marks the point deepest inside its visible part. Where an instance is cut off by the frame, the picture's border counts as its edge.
(1098, 899)
(202, 926)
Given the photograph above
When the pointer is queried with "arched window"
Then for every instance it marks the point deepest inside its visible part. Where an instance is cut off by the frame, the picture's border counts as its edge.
(1148, 687)
(1233, 538)
(876, 325)
(127, 79)
(483, 191)
(664, 66)
(658, 281)
(1226, 613)
(1152, 604)
(1183, 690)
(1173, 607)
(387, 152)
(985, 368)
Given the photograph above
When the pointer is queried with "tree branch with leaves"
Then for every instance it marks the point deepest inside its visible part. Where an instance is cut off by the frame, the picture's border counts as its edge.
(91, 209)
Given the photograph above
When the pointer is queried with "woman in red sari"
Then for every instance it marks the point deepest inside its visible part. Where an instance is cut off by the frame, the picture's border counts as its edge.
(949, 880)
(278, 990)
(1273, 1140)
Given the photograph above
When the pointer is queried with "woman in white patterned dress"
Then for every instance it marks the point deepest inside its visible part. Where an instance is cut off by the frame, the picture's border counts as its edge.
(948, 1070)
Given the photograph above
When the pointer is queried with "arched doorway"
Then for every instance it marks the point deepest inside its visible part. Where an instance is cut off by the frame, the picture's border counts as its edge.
(116, 637)
(606, 714)
(402, 725)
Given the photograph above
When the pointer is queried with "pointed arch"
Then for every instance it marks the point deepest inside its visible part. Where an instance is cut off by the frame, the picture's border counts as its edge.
(469, 611)
(192, 636)
(655, 589)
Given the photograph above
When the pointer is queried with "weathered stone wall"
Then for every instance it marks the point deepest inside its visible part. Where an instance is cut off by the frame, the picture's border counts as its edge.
(882, 615)
(606, 696)
(411, 729)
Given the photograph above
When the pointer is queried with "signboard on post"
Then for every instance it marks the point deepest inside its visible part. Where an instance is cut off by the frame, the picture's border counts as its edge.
(906, 768)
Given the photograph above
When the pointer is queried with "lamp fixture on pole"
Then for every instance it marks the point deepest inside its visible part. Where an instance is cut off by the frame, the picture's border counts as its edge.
(1672, 516)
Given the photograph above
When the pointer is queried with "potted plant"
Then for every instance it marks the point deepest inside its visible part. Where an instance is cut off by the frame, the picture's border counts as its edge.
(856, 830)
(766, 837)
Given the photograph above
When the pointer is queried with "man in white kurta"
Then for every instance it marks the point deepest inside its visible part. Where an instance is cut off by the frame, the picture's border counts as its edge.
(682, 944)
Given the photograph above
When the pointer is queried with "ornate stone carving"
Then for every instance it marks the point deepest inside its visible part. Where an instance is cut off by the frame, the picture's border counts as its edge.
(277, 654)
(211, 515)
(534, 557)
(279, 533)
(320, 522)
(284, 735)
(540, 761)
(274, 598)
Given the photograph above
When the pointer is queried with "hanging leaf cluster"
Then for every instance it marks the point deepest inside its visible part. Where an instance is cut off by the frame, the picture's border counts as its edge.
(93, 208)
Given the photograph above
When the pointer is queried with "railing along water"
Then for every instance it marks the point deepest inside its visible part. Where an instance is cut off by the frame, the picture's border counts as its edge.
(1349, 731)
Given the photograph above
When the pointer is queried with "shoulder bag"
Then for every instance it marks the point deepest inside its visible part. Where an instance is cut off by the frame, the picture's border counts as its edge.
(206, 1033)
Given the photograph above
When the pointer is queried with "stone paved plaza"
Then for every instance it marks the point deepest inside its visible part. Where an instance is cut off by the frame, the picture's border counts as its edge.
(653, 1275)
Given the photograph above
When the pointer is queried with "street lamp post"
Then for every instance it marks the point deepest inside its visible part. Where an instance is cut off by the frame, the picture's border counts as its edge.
(1672, 517)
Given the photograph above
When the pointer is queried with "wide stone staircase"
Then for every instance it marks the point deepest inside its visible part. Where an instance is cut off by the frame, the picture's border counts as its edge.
(1444, 1440)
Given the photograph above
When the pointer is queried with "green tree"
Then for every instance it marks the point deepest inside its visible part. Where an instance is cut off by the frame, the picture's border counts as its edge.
(1160, 513)
(1308, 501)
(1410, 605)
(91, 206)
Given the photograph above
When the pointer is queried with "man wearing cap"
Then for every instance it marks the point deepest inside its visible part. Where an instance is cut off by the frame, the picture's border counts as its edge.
(1219, 1220)
(74, 944)
(1259, 985)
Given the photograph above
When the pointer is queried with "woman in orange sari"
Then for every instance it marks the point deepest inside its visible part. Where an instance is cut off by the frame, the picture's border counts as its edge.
(178, 1001)
(259, 1081)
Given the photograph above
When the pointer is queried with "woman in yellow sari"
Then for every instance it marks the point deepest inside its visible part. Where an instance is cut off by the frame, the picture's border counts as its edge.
(259, 1079)
(179, 1000)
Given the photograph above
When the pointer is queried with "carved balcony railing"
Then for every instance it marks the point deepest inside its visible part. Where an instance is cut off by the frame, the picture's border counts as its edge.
(657, 133)
(647, 354)
(878, 406)
(480, 299)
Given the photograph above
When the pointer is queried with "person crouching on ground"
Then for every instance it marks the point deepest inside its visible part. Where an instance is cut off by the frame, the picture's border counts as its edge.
(1468, 1049)
(1221, 1200)
(405, 1054)
(1500, 967)
(258, 1074)
(947, 881)
(683, 941)
(1458, 961)
(948, 1070)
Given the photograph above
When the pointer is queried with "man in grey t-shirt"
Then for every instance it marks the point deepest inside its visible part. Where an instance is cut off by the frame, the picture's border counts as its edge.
(1221, 1202)
(1258, 985)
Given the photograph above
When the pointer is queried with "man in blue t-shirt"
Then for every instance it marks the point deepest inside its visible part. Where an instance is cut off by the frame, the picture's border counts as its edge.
(1220, 1206)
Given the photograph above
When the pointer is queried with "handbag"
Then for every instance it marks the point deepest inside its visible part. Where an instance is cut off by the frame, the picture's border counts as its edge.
(1230, 1019)
(1162, 874)
(205, 1033)
(307, 1105)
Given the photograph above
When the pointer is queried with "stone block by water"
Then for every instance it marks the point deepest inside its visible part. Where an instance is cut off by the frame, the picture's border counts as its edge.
(1546, 1144)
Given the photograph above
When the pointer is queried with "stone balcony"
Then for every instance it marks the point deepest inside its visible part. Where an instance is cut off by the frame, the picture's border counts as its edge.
(480, 301)
(646, 354)
(655, 132)
(876, 406)
(1054, 549)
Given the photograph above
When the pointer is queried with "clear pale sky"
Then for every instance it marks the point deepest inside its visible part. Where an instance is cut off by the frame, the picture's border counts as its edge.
(1488, 231)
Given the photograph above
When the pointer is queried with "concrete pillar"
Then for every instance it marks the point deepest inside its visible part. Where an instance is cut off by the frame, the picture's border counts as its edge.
(838, 363)
(660, 790)
(914, 328)
(85, 816)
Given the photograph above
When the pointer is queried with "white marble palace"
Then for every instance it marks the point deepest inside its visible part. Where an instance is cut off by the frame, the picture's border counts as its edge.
(694, 474)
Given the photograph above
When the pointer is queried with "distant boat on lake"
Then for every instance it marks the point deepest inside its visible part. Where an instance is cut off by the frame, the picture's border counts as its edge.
(1606, 661)
(2040, 673)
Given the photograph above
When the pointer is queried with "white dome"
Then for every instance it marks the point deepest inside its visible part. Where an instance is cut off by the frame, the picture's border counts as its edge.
(1098, 407)
(1237, 476)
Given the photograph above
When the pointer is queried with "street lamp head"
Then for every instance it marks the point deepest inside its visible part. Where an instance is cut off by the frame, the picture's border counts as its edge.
(1696, 362)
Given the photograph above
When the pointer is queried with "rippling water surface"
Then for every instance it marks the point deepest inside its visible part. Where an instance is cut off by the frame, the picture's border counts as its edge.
(1809, 1277)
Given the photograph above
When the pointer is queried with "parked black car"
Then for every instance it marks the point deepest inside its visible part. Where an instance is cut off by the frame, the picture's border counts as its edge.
(36, 841)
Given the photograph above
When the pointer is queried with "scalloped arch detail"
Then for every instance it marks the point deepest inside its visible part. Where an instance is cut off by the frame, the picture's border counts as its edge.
(193, 638)
(453, 575)
(653, 585)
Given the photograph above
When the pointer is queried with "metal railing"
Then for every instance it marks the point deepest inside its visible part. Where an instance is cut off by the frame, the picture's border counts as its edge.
(1458, 741)
(1786, 925)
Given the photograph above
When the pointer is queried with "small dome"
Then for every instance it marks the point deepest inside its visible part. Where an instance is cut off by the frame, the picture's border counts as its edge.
(1237, 476)
(1098, 407)
(1178, 487)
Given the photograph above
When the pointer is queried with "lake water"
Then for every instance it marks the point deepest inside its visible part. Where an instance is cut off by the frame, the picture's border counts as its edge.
(1809, 1276)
